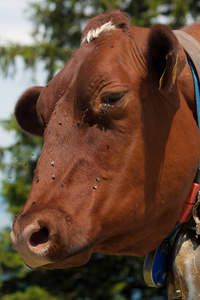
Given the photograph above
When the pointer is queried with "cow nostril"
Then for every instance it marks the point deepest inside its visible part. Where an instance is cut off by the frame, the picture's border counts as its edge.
(39, 237)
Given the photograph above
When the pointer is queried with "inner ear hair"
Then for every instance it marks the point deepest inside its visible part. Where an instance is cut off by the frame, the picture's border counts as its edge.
(163, 56)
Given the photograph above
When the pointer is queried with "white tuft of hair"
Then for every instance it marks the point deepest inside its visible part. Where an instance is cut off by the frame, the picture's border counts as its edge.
(93, 34)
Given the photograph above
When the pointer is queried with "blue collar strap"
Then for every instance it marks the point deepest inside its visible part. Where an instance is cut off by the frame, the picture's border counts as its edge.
(196, 85)
(197, 94)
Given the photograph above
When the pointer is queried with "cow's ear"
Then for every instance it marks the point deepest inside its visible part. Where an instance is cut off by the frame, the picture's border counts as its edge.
(166, 58)
(26, 114)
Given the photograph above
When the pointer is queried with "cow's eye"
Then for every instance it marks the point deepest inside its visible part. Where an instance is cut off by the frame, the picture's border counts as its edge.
(112, 98)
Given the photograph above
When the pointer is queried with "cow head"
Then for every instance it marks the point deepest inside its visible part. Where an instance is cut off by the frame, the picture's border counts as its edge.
(115, 168)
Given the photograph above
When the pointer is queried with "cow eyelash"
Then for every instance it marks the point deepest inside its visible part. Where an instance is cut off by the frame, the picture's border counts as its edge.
(112, 98)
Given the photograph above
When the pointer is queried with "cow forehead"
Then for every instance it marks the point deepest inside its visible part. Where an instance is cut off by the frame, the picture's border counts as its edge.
(106, 62)
(98, 57)
(99, 63)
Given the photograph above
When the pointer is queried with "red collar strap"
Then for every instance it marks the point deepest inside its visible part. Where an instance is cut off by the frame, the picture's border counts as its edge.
(191, 200)
(189, 203)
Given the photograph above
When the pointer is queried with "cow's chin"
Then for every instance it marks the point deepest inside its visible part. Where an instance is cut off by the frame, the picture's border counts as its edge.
(74, 261)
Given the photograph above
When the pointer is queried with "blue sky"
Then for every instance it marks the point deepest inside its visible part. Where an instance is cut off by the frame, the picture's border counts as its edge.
(14, 27)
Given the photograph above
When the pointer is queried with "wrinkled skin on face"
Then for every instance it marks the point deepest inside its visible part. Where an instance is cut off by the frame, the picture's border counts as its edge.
(119, 154)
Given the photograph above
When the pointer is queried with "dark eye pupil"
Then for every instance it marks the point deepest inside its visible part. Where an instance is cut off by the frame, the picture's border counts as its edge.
(111, 98)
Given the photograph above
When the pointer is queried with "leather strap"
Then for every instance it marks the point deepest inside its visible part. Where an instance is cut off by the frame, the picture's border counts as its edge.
(191, 46)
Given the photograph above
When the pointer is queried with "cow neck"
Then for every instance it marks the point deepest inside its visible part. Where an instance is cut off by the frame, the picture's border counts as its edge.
(189, 43)
(156, 262)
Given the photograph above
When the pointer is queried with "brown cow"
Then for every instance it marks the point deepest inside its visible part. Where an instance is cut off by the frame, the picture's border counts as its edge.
(121, 146)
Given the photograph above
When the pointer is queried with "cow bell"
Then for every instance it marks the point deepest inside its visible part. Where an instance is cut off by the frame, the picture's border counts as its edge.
(184, 273)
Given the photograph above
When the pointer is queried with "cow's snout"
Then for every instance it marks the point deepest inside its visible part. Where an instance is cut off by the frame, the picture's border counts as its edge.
(35, 236)
(52, 238)
(32, 242)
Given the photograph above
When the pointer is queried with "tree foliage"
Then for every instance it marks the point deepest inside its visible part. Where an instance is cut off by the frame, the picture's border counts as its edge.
(57, 27)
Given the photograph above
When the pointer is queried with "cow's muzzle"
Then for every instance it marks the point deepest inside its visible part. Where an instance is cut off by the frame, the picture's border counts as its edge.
(53, 239)
(32, 243)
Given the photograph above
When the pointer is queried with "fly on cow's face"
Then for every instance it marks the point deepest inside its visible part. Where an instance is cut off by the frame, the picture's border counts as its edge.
(16, 217)
(104, 109)
(55, 110)
(85, 113)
